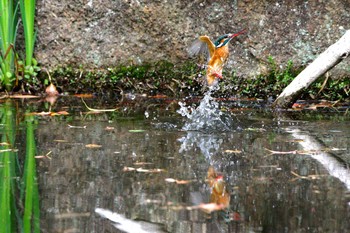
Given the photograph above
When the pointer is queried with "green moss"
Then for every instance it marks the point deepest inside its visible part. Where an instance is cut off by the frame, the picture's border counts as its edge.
(161, 77)
(187, 79)
(272, 83)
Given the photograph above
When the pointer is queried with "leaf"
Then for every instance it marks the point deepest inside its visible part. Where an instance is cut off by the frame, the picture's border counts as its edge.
(60, 140)
(48, 113)
(155, 170)
(98, 110)
(136, 130)
(23, 96)
(93, 146)
(171, 180)
(84, 95)
(76, 127)
(233, 151)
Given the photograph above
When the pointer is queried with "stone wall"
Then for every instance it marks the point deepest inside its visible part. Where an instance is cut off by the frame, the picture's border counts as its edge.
(105, 33)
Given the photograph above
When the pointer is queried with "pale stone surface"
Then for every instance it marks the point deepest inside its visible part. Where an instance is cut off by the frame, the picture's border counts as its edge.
(105, 33)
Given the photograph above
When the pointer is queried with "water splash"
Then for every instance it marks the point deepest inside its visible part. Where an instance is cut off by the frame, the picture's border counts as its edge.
(207, 117)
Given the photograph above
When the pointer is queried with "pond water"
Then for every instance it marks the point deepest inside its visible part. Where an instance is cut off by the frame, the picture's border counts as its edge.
(164, 165)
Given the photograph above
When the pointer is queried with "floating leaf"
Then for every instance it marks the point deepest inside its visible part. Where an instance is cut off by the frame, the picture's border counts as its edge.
(59, 113)
(24, 96)
(156, 170)
(171, 180)
(136, 130)
(60, 140)
(48, 113)
(233, 151)
(93, 146)
(84, 95)
(98, 110)
(127, 169)
(77, 127)
(141, 163)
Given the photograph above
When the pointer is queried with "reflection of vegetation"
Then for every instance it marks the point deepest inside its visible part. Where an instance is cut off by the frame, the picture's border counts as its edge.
(29, 187)
(11, 209)
(8, 171)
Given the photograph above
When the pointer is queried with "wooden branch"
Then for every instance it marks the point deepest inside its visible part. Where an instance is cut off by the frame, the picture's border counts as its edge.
(323, 63)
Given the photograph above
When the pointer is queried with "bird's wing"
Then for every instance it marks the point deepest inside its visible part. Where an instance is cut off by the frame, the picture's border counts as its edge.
(202, 46)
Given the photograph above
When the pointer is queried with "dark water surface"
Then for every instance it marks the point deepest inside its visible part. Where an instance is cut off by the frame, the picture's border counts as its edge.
(283, 172)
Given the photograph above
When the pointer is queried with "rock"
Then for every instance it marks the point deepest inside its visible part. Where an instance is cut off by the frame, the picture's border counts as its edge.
(99, 34)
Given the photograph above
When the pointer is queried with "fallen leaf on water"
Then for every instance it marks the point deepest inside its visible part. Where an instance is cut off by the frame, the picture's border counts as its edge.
(295, 140)
(60, 140)
(98, 110)
(77, 127)
(48, 113)
(72, 215)
(136, 130)
(44, 156)
(93, 146)
(141, 163)
(233, 151)
(155, 170)
(282, 152)
(127, 169)
(24, 96)
(84, 95)
(256, 129)
(59, 113)
(309, 177)
(158, 96)
(171, 180)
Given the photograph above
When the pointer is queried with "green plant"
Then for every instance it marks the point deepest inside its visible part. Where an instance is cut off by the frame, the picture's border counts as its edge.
(28, 15)
(8, 30)
(31, 68)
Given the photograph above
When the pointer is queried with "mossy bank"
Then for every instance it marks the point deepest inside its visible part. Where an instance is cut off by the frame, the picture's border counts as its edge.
(186, 79)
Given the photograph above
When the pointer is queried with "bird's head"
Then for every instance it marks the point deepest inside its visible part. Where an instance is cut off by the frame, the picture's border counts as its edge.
(224, 39)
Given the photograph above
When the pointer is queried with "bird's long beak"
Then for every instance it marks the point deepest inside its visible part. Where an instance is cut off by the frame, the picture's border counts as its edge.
(237, 34)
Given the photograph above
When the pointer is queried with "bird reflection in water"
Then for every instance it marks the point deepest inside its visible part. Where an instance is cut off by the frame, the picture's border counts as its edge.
(219, 194)
(219, 197)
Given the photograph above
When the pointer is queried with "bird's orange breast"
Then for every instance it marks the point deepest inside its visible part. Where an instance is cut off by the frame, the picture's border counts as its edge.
(216, 64)
(219, 57)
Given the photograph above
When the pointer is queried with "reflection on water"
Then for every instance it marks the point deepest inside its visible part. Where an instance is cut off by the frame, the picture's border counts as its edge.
(19, 197)
(109, 169)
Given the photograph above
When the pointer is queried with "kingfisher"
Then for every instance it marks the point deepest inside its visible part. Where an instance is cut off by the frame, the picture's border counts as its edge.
(217, 54)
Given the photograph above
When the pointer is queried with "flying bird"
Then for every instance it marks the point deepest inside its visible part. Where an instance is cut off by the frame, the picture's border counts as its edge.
(217, 53)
